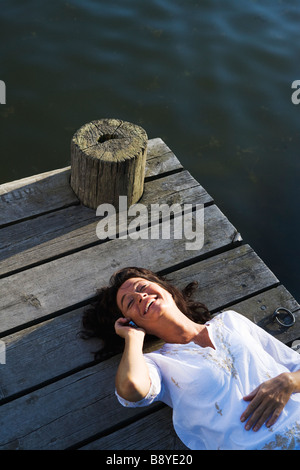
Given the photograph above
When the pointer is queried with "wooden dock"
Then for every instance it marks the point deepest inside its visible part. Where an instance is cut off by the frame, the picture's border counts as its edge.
(53, 395)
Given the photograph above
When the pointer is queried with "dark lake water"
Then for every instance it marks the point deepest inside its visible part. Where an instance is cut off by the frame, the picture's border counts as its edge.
(212, 78)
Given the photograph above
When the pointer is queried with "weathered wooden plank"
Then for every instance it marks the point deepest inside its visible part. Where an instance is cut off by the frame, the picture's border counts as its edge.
(51, 190)
(41, 238)
(160, 159)
(65, 412)
(227, 277)
(153, 432)
(261, 308)
(67, 281)
(35, 195)
(39, 349)
(36, 240)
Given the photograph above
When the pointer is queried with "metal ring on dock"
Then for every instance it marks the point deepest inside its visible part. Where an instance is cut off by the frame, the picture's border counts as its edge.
(283, 310)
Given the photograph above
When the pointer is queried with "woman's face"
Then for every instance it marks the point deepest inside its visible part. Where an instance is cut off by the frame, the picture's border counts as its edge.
(143, 301)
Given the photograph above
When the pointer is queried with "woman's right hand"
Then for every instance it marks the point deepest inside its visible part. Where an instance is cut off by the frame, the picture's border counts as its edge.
(124, 330)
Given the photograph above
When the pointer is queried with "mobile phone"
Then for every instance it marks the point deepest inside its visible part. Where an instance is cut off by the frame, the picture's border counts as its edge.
(131, 323)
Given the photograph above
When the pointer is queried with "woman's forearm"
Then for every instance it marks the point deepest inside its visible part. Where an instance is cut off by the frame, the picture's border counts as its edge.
(132, 379)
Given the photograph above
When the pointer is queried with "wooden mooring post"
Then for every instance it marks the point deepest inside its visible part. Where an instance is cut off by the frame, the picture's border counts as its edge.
(108, 160)
(53, 395)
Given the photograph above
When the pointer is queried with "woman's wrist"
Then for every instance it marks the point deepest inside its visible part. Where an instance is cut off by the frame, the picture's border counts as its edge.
(135, 337)
(293, 380)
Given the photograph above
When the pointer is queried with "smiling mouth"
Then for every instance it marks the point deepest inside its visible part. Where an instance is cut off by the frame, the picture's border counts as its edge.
(149, 305)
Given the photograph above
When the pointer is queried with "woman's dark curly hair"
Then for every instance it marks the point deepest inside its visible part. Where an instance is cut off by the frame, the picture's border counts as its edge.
(99, 318)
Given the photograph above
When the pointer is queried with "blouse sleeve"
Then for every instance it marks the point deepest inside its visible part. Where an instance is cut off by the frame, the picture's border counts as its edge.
(154, 391)
(278, 350)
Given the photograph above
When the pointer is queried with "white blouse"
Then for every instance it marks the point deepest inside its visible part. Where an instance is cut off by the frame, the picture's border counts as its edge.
(205, 386)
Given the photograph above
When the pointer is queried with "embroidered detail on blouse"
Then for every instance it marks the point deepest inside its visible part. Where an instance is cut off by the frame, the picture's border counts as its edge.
(219, 410)
(285, 441)
(222, 356)
(175, 383)
(226, 359)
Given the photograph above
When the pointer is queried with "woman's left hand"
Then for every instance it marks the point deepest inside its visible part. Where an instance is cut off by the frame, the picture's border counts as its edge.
(267, 401)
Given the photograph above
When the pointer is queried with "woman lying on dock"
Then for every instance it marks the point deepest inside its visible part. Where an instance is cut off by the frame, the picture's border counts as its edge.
(231, 385)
